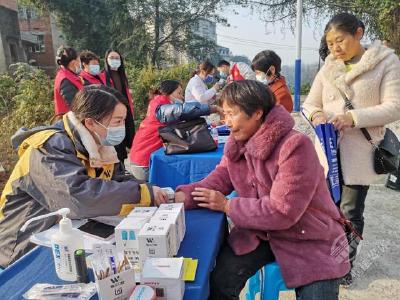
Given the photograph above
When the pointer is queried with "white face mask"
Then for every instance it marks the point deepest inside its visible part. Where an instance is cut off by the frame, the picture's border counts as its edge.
(94, 69)
(262, 77)
(115, 135)
(114, 63)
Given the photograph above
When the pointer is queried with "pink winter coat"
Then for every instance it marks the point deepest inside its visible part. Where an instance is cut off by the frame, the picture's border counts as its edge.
(282, 198)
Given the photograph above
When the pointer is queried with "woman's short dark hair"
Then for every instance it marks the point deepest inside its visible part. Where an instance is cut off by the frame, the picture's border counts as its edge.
(264, 60)
(87, 56)
(65, 55)
(249, 95)
(223, 62)
(345, 22)
(96, 101)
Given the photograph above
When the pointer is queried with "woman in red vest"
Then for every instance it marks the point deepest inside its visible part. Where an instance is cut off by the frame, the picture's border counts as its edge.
(166, 106)
(90, 68)
(114, 76)
(67, 82)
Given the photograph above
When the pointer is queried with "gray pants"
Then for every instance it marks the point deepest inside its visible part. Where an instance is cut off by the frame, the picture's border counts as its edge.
(352, 205)
(242, 267)
(141, 173)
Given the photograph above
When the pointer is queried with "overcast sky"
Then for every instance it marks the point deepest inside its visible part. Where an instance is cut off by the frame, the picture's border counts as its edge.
(248, 35)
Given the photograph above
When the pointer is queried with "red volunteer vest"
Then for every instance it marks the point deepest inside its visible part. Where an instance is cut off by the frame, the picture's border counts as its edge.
(103, 78)
(146, 139)
(60, 105)
(92, 79)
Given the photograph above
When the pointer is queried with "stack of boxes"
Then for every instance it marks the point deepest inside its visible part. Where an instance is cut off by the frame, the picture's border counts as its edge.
(148, 232)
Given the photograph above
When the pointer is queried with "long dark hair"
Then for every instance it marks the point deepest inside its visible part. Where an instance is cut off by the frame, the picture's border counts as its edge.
(121, 71)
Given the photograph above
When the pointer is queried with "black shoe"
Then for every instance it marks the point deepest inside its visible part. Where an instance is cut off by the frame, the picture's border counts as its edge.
(347, 280)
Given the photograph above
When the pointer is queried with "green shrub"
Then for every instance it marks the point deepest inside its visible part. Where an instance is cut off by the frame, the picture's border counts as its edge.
(141, 81)
(29, 101)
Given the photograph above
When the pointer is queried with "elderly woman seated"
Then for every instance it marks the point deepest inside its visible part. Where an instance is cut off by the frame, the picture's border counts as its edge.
(283, 210)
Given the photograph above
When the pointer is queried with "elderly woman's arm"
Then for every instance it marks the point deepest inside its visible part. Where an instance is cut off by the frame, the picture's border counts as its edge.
(298, 177)
(218, 180)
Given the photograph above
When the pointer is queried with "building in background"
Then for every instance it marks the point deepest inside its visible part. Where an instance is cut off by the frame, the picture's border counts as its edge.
(48, 38)
(224, 52)
(11, 47)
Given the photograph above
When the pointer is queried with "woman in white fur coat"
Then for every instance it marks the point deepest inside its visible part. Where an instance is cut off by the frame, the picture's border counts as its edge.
(370, 78)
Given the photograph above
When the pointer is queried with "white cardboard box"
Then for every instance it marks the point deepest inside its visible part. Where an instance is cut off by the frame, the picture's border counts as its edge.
(117, 286)
(126, 237)
(179, 209)
(164, 275)
(173, 219)
(142, 212)
(155, 241)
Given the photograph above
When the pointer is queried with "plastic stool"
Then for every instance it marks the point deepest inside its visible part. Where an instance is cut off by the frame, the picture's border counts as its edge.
(273, 283)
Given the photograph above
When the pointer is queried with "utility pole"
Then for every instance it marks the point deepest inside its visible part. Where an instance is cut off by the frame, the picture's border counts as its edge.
(297, 66)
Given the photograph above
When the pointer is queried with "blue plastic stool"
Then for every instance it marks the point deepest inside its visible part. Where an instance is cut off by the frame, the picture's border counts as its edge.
(273, 283)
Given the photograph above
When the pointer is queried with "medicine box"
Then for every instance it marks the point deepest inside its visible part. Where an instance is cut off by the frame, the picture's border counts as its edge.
(143, 212)
(126, 237)
(164, 275)
(176, 208)
(155, 241)
(117, 286)
(173, 219)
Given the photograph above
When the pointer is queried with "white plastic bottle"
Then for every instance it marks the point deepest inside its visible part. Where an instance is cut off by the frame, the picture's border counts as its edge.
(64, 243)
(214, 133)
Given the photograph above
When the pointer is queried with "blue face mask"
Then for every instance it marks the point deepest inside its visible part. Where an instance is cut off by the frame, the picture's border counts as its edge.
(115, 135)
(209, 79)
(94, 69)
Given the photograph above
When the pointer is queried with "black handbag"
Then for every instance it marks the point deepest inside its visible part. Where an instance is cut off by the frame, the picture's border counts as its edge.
(386, 154)
(187, 137)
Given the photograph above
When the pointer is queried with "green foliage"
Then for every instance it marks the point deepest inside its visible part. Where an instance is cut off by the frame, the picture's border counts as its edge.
(28, 94)
(142, 81)
(382, 18)
(84, 24)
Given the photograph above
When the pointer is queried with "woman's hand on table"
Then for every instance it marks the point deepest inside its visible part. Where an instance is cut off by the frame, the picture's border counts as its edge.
(211, 199)
(160, 196)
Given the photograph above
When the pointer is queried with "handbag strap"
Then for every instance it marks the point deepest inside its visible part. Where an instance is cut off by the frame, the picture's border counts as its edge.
(349, 106)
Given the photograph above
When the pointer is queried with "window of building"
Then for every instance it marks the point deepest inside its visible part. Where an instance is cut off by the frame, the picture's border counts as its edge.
(13, 53)
(39, 47)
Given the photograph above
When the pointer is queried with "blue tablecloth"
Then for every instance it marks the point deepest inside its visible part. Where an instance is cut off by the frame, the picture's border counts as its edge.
(205, 231)
(173, 170)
